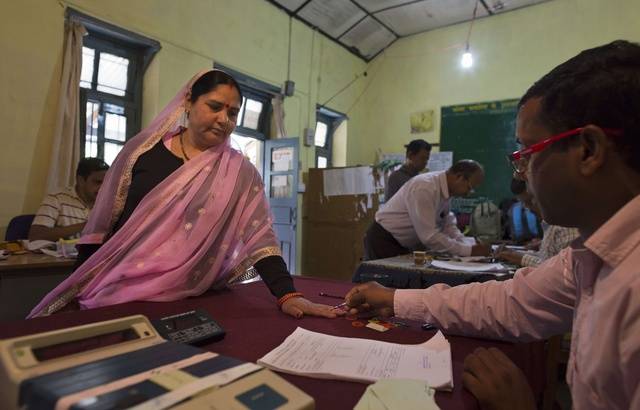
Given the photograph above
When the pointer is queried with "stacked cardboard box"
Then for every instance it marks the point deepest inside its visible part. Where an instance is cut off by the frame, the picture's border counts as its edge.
(334, 226)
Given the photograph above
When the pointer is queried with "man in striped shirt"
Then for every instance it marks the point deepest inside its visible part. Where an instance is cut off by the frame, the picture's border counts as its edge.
(64, 213)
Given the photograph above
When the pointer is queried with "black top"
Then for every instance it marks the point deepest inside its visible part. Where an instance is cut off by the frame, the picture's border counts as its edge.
(397, 179)
(150, 169)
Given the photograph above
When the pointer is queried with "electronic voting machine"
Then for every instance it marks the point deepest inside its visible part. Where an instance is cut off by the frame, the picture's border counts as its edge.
(124, 363)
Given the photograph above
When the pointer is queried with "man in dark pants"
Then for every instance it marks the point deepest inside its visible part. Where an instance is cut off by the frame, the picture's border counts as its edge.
(418, 216)
(418, 152)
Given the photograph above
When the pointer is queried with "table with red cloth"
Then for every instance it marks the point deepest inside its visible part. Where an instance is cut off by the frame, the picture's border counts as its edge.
(255, 326)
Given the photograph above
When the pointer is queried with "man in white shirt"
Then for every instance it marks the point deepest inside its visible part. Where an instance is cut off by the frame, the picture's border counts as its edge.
(418, 215)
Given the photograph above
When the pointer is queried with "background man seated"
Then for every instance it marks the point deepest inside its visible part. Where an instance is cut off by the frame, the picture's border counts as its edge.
(555, 238)
(521, 224)
(418, 215)
(63, 214)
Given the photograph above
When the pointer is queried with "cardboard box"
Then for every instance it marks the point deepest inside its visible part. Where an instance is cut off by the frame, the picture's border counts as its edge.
(333, 228)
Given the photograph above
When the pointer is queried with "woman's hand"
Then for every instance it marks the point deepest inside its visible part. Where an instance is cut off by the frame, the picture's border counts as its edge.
(298, 307)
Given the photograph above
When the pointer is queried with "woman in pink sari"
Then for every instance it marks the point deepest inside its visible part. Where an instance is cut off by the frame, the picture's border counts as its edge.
(180, 212)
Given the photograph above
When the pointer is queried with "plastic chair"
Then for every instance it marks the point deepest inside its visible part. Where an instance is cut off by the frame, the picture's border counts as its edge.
(19, 227)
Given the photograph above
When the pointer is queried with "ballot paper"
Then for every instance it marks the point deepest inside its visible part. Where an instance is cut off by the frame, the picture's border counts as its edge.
(40, 244)
(509, 247)
(312, 354)
(398, 394)
(468, 266)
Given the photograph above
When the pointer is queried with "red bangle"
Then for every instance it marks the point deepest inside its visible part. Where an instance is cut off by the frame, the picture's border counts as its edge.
(289, 296)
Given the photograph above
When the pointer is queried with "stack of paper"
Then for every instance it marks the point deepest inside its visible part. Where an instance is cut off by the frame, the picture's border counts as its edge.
(40, 244)
(398, 394)
(468, 266)
(318, 355)
(62, 248)
(510, 247)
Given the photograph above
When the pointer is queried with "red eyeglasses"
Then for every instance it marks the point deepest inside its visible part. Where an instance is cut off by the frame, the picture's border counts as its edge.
(520, 159)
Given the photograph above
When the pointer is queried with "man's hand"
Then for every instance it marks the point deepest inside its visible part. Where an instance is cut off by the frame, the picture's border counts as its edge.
(37, 232)
(481, 249)
(533, 245)
(512, 257)
(372, 298)
(496, 381)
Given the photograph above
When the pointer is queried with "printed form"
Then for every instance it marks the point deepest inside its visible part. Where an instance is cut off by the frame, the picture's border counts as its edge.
(318, 355)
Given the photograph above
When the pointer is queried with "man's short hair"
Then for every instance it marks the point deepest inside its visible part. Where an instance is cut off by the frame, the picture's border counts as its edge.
(416, 146)
(518, 186)
(466, 168)
(87, 166)
(599, 86)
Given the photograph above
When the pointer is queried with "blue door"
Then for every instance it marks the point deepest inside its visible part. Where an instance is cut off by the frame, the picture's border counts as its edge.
(281, 187)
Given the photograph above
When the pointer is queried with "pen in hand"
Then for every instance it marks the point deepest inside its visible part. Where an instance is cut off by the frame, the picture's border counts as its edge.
(330, 296)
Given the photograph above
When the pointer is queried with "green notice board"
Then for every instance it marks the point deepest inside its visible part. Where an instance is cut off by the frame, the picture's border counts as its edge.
(484, 132)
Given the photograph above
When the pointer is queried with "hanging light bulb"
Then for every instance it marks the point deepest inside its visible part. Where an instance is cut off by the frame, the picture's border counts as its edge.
(467, 59)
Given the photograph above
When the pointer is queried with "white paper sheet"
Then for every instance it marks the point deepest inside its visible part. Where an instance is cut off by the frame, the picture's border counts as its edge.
(398, 394)
(440, 161)
(468, 266)
(510, 247)
(348, 181)
(40, 244)
(323, 356)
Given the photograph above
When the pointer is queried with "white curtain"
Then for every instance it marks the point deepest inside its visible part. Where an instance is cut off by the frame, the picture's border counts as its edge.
(277, 103)
(65, 151)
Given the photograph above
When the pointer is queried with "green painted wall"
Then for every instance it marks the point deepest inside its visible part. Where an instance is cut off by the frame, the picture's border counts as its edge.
(511, 51)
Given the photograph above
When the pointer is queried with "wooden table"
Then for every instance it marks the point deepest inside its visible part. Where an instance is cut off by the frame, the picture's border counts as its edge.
(26, 279)
(255, 326)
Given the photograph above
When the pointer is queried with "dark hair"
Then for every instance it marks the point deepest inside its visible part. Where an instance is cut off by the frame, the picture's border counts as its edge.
(416, 146)
(87, 166)
(518, 186)
(466, 167)
(599, 86)
(209, 81)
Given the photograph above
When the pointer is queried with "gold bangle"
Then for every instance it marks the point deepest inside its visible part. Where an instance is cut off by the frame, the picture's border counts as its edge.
(289, 296)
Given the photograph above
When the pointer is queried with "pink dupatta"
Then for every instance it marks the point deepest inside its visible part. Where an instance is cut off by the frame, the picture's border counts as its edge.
(202, 227)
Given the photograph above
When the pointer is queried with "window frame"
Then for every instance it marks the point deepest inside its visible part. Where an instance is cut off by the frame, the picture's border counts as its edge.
(255, 90)
(131, 101)
(332, 119)
(264, 121)
(139, 50)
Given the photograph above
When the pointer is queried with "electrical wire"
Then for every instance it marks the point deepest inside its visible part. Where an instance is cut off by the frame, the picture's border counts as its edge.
(475, 11)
